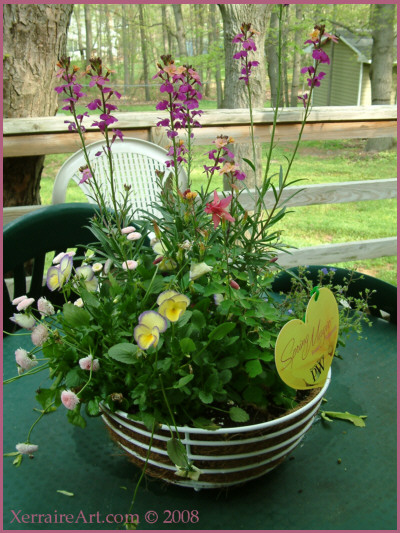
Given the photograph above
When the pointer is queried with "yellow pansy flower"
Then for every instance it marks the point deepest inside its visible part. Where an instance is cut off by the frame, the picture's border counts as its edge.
(172, 305)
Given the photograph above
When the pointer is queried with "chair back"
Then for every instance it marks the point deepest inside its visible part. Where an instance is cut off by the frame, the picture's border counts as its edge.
(28, 239)
(134, 164)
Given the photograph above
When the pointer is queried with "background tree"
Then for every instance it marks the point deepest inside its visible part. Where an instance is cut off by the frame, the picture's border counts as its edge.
(34, 37)
(233, 15)
(381, 72)
(88, 28)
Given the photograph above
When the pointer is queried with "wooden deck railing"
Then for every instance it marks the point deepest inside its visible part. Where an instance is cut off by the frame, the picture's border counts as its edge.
(47, 135)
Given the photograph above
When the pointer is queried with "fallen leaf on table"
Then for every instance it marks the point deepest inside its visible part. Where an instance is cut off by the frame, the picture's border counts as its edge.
(66, 493)
(355, 419)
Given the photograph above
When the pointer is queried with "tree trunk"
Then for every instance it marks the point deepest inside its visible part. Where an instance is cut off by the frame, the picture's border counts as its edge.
(218, 81)
(144, 54)
(164, 28)
(236, 95)
(271, 51)
(79, 30)
(381, 71)
(180, 31)
(89, 38)
(110, 59)
(298, 34)
(35, 37)
(285, 57)
(125, 47)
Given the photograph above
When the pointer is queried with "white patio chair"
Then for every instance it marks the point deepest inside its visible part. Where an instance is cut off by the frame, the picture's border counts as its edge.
(135, 162)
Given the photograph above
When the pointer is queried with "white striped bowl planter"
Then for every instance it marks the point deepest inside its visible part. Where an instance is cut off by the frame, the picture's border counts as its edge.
(227, 456)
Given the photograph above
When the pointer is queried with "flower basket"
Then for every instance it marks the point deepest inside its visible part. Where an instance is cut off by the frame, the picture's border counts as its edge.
(226, 457)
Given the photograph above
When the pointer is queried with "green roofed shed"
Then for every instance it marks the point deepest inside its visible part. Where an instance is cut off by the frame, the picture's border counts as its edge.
(347, 80)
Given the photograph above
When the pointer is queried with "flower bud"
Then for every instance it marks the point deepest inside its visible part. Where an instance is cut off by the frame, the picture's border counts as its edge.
(234, 284)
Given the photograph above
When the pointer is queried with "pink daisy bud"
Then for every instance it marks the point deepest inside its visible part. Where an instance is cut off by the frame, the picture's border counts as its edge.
(134, 236)
(87, 363)
(234, 284)
(23, 360)
(28, 449)
(16, 301)
(69, 399)
(128, 229)
(129, 265)
(25, 303)
(40, 335)
(158, 260)
(45, 307)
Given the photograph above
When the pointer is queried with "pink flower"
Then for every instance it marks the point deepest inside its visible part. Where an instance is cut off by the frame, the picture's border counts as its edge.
(128, 229)
(69, 399)
(88, 363)
(18, 300)
(129, 265)
(217, 208)
(45, 307)
(25, 448)
(39, 335)
(23, 360)
(25, 303)
(134, 236)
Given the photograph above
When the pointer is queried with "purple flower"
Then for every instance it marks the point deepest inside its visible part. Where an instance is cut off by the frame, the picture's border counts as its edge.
(86, 174)
(96, 104)
(161, 106)
(108, 119)
(117, 133)
(303, 99)
(324, 271)
(240, 54)
(249, 45)
(167, 87)
(321, 56)
(164, 122)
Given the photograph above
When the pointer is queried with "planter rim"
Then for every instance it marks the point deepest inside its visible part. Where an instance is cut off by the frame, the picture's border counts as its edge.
(252, 427)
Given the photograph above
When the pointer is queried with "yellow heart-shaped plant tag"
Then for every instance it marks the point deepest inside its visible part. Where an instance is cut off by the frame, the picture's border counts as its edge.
(304, 350)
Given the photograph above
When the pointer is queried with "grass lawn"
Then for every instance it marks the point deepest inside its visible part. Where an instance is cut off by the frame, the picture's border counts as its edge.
(317, 162)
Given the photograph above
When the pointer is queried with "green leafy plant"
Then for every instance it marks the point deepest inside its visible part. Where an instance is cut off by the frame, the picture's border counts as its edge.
(170, 316)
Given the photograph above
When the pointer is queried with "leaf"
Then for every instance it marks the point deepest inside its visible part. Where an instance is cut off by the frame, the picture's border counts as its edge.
(75, 316)
(184, 319)
(225, 376)
(198, 319)
(73, 378)
(187, 345)
(66, 493)
(183, 381)
(45, 397)
(204, 423)
(221, 331)
(238, 415)
(205, 397)
(177, 452)
(228, 362)
(253, 368)
(75, 418)
(92, 407)
(124, 352)
(250, 163)
(355, 419)
(89, 298)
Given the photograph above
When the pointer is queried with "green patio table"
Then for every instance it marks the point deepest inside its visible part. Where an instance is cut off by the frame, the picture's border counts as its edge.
(340, 477)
